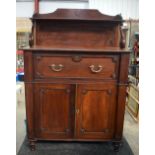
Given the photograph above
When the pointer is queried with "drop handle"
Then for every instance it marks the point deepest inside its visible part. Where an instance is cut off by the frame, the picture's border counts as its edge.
(96, 69)
(56, 68)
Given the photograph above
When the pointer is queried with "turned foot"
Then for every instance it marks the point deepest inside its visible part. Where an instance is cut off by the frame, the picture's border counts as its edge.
(32, 145)
(116, 146)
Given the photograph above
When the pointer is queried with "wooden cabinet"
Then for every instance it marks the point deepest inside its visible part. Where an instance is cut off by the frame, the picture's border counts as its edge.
(75, 77)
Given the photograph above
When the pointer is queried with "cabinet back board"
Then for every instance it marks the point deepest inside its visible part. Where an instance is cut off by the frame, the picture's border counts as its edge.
(76, 35)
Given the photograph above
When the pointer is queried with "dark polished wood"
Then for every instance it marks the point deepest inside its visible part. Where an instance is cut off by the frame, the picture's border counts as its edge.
(75, 77)
(54, 110)
(95, 110)
(78, 14)
(66, 28)
(49, 66)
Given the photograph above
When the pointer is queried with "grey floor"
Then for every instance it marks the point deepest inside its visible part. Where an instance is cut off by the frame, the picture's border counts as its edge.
(131, 128)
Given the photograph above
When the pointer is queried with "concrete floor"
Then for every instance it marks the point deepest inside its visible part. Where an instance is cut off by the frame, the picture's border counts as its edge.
(20, 115)
(131, 133)
(131, 128)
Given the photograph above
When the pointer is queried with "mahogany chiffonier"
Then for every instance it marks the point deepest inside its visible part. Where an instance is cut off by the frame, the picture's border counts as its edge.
(75, 77)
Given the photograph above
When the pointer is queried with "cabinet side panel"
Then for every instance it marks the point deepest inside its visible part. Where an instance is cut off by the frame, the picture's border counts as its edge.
(124, 63)
(28, 76)
(122, 83)
(120, 112)
(29, 110)
(28, 67)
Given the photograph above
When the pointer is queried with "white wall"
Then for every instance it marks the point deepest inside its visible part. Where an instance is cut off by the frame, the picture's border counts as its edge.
(128, 8)
(26, 9)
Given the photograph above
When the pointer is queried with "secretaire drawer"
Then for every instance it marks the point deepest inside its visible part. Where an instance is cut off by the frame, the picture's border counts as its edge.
(52, 66)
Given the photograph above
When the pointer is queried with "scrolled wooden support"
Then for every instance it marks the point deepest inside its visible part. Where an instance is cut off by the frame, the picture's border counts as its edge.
(31, 39)
(122, 41)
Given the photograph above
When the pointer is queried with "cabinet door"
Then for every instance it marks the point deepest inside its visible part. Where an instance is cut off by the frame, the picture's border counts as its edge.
(95, 111)
(54, 114)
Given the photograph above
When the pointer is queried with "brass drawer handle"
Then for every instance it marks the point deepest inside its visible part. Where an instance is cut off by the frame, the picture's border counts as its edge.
(95, 69)
(56, 68)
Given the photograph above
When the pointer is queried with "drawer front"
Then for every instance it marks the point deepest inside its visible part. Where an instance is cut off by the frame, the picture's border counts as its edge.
(52, 66)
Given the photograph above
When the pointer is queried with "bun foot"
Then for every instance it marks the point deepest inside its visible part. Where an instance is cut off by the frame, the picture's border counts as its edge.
(32, 145)
(116, 146)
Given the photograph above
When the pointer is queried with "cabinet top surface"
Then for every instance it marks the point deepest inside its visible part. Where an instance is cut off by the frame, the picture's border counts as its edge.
(99, 50)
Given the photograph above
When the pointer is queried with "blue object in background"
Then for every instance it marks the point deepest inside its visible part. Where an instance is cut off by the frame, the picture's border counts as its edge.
(17, 79)
(20, 76)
